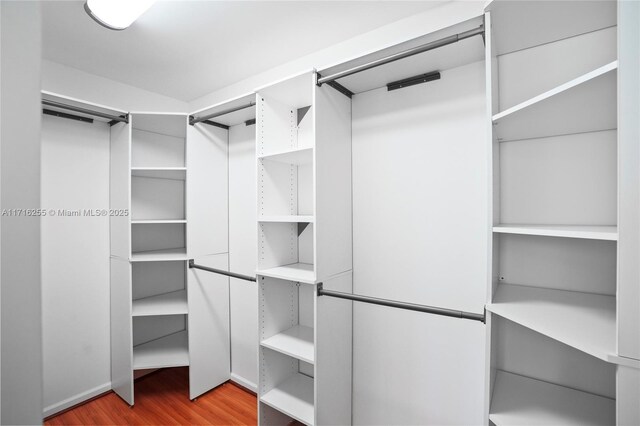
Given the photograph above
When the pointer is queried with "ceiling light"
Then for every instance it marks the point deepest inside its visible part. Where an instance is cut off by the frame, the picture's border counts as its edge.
(116, 14)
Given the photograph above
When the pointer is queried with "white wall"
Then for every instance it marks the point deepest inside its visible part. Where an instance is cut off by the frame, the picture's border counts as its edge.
(21, 332)
(78, 84)
(388, 35)
(75, 262)
(419, 235)
(242, 255)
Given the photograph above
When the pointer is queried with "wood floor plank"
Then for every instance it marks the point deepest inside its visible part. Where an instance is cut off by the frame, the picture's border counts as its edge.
(162, 398)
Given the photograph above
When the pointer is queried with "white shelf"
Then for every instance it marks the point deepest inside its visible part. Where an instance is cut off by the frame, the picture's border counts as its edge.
(519, 400)
(293, 397)
(295, 156)
(584, 104)
(296, 342)
(160, 255)
(287, 219)
(174, 303)
(300, 272)
(157, 221)
(584, 321)
(567, 231)
(169, 351)
(174, 173)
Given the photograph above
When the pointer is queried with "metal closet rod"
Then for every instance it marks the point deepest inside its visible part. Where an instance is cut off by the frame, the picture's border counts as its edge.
(193, 265)
(122, 118)
(402, 305)
(194, 120)
(404, 54)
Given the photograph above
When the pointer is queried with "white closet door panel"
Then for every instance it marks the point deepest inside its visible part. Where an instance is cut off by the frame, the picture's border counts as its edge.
(119, 192)
(208, 324)
(333, 354)
(76, 354)
(420, 218)
(121, 332)
(629, 169)
(207, 189)
(628, 395)
(242, 253)
(561, 180)
(333, 183)
(587, 52)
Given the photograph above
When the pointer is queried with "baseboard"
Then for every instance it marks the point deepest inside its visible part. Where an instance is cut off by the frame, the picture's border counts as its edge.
(75, 400)
(244, 383)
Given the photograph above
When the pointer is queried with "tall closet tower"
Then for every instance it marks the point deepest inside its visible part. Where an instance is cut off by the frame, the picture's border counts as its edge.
(168, 205)
(304, 240)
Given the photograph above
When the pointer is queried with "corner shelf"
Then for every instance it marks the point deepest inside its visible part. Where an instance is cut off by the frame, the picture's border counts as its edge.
(296, 156)
(519, 400)
(609, 233)
(174, 303)
(168, 351)
(160, 255)
(583, 321)
(591, 100)
(287, 219)
(293, 397)
(296, 342)
(300, 272)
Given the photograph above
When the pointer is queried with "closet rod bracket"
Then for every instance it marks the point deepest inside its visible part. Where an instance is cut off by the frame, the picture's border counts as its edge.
(403, 305)
(193, 265)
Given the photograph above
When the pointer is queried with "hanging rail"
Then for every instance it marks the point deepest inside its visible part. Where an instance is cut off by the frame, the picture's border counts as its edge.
(404, 54)
(193, 265)
(402, 305)
(114, 118)
(194, 120)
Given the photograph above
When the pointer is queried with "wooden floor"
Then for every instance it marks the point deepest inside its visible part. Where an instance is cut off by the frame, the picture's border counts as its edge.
(162, 398)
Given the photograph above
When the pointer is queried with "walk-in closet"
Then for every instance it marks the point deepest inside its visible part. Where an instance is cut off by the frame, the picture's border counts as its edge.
(320, 213)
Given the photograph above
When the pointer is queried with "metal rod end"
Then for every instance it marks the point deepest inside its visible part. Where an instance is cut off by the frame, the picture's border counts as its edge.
(191, 262)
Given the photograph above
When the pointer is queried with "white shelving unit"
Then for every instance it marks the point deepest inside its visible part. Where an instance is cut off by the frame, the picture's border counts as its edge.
(555, 214)
(304, 231)
(158, 306)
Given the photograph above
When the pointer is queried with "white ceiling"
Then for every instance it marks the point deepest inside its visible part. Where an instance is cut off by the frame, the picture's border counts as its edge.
(186, 49)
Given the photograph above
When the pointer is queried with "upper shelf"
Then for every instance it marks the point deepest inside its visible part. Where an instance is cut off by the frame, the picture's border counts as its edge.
(177, 254)
(296, 342)
(295, 156)
(287, 219)
(519, 400)
(583, 321)
(175, 173)
(298, 272)
(584, 104)
(609, 233)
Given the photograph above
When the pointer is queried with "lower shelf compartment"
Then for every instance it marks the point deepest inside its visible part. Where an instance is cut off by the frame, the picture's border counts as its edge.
(293, 397)
(519, 400)
(168, 351)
